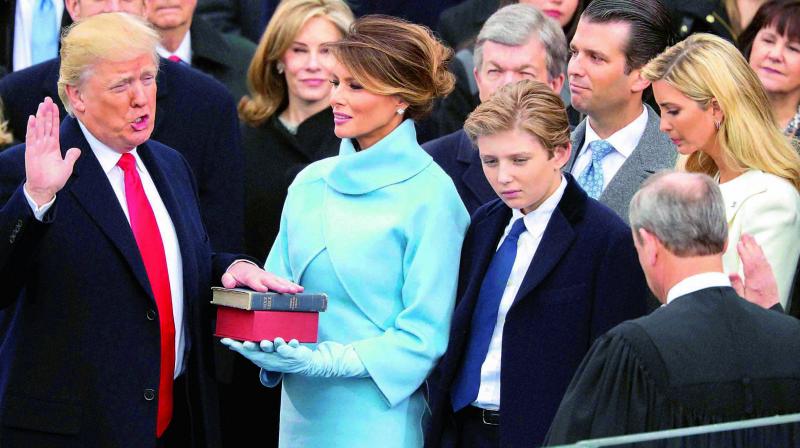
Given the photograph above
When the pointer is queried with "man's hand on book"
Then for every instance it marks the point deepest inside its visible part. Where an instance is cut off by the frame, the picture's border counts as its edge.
(246, 273)
(330, 359)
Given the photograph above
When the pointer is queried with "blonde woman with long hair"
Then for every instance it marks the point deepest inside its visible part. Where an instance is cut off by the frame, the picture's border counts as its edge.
(288, 122)
(715, 110)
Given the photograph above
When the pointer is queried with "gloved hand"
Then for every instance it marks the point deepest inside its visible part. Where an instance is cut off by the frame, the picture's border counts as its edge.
(330, 359)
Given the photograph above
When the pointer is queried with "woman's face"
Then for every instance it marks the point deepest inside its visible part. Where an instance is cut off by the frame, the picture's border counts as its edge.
(359, 113)
(560, 10)
(307, 63)
(776, 60)
(690, 127)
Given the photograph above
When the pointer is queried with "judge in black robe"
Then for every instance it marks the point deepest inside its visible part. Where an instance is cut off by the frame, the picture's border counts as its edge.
(707, 357)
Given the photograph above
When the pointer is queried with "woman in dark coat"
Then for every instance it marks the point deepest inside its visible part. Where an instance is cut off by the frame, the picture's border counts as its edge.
(287, 118)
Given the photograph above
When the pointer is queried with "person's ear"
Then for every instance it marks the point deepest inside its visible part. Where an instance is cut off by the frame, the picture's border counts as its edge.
(556, 83)
(639, 82)
(561, 154)
(74, 9)
(719, 114)
(75, 97)
(649, 247)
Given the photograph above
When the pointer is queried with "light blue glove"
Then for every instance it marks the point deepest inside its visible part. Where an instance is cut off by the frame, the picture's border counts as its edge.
(329, 360)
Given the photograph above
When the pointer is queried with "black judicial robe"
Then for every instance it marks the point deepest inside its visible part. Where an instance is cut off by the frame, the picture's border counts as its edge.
(707, 357)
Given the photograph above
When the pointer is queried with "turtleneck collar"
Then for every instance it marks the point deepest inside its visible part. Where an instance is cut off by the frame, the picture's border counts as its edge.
(391, 160)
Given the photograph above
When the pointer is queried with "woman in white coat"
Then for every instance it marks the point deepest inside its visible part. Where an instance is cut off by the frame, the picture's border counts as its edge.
(716, 112)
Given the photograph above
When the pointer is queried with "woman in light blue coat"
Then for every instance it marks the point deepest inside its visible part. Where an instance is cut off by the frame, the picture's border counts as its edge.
(379, 229)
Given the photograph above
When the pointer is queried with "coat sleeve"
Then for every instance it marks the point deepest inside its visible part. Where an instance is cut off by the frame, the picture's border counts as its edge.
(621, 286)
(401, 358)
(772, 219)
(610, 394)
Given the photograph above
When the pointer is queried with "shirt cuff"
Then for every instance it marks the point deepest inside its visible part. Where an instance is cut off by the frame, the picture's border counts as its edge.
(39, 212)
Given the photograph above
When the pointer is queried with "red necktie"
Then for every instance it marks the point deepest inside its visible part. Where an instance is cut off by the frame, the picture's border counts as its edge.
(148, 238)
(175, 58)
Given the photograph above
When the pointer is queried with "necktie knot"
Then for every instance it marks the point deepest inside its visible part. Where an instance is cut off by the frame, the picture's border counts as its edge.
(127, 162)
(516, 229)
(175, 58)
(600, 149)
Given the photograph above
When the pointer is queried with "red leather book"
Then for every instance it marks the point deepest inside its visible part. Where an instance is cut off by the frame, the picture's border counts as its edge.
(246, 325)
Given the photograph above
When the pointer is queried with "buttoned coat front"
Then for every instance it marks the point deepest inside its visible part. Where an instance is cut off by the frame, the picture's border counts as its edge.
(380, 231)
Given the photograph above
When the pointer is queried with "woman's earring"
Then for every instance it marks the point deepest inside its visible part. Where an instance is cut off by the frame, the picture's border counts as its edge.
(280, 67)
(716, 125)
(400, 111)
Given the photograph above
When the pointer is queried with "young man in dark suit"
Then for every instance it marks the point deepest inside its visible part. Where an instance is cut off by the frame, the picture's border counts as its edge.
(195, 115)
(545, 270)
(106, 264)
(707, 356)
(517, 42)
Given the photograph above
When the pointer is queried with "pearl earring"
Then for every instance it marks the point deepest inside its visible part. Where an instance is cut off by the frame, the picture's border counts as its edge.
(400, 111)
(280, 67)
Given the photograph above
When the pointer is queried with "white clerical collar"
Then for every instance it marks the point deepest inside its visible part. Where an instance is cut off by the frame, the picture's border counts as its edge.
(626, 139)
(696, 283)
(184, 50)
(107, 157)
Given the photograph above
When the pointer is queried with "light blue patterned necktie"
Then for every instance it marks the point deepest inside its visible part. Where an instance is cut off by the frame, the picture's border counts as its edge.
(44, 32)
(591, 180)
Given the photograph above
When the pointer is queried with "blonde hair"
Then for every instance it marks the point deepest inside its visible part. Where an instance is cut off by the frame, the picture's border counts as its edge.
(390, 56)
(528, 105)
(707, 68)
(114, 36)
(268, 90)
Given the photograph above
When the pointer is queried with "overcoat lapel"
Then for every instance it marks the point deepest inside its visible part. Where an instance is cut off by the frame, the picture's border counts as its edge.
(91, 189)
(473, 177)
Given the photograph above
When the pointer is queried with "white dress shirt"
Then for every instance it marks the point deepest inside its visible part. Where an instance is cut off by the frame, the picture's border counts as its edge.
(23, 26)
(535, 223)
(696, 283)
(184, 50)
(108, 159)
(624, 142)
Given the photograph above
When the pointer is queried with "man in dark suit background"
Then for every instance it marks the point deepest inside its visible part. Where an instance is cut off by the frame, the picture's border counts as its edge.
(106, 263)
(194, 41)
(517, 42)
(196, 116)
(11, 13)
(564, 273)
(619, 144)
(707, 356)
(246, 18)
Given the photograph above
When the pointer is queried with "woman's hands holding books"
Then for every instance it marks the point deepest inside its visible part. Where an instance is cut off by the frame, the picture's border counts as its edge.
(328, 360)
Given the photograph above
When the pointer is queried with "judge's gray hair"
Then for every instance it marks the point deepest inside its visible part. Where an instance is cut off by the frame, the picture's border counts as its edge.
(514, 25)
(685, 211)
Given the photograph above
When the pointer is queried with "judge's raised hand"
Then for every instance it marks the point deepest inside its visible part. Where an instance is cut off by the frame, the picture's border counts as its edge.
(759, 285)
(244, 273)
(45, 170)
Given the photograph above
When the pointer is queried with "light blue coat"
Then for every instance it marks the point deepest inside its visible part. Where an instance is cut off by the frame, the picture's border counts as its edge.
(380, 231)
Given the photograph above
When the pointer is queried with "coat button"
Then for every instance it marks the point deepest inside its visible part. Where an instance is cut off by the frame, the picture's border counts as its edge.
(149, 394)
(151, 315)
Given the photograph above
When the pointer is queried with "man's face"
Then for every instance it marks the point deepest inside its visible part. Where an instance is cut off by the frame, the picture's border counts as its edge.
(598, 83)
(504, 64)
(170, 14)
(81, 9)
(117, 101)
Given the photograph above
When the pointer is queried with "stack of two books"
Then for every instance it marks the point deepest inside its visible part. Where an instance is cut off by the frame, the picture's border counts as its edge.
(248, 315)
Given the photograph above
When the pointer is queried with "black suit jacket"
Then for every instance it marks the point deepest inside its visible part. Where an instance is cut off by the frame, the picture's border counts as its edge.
(246, 18)
(7, 26)
(584, 279)
(195, 115)
(707, 357)
(460, 160)
(225, 58)
(81, 352)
